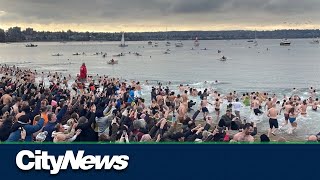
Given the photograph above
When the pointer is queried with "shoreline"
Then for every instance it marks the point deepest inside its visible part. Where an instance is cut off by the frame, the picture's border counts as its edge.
(155, 40)
(260, 131)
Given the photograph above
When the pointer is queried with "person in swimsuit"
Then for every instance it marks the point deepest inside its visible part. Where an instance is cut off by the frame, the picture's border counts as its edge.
(292, 118)
(286, 108)
(217, 108)
(273, 122)
(303, 108)
(269, 104)
(256, 106)
(204, 108)
(315, 104)
(229, 97)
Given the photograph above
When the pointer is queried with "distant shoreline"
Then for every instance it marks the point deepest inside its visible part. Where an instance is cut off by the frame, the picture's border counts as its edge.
(16, 34)
(62, 42)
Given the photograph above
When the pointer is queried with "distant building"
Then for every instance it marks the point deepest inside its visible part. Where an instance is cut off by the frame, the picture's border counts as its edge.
(29, 34)
(14, 34)
(2, 36)
(29, 31)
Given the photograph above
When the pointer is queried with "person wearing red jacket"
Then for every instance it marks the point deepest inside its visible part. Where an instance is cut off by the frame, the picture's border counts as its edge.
(83, 72)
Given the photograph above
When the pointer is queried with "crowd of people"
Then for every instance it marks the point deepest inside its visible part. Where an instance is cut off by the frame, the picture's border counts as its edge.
(105, 109)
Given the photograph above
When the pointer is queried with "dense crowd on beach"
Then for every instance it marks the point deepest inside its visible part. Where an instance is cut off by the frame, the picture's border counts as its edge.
(106, 109)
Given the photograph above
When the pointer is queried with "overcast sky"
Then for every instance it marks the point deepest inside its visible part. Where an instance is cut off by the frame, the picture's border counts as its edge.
(156, 15)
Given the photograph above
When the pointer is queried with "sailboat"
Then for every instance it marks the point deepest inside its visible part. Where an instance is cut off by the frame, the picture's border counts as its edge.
(167, 43)
(250, 41)
(255, 42)
(123, 43)
(196, 42)
(315, 40)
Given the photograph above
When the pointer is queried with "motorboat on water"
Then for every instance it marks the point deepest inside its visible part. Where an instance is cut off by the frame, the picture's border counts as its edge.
(285, 42)
(31, 45)
(250, 41)
(123, 43)
(179, 44)
(223, 58)
(76, 54)
(149, 43)
(118, 55)
(57, 54)
(156, 44)
(168, 43)
(314, 41)
(112, 62)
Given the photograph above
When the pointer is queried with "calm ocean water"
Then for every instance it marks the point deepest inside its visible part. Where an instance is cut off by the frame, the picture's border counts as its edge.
(247, 69)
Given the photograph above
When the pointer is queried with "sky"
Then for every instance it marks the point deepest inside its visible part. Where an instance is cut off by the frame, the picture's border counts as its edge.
(159, 15)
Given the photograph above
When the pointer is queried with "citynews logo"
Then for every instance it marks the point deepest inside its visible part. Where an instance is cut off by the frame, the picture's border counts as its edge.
(40, 160)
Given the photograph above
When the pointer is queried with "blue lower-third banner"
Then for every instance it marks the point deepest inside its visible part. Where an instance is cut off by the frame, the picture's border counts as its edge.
(159, 161)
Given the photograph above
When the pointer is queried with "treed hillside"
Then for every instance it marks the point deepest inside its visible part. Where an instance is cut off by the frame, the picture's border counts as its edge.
(15, 34)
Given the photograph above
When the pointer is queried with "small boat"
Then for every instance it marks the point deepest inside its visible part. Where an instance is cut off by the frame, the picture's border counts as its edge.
(76, 54)
(285, 42)
(250, 41)
(219, 51)
(112, 62)
(179, 44)
(137, 54)
(123, 43)
(168, 43)
(118, 55)
(57, 54)
(149, 43)
(166, 52)
(223, 58)
(314, 41)
(196, 42)
(31, 45)
(156, 44)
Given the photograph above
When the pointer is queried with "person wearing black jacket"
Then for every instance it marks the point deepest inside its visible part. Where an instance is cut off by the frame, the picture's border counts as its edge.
(5, 128)
(227, 119)
(87, 133)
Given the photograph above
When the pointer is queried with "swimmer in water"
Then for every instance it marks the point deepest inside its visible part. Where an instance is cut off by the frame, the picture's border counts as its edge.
(315, 104)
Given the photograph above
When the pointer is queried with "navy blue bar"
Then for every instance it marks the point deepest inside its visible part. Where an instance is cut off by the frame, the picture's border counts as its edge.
(178, 161)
